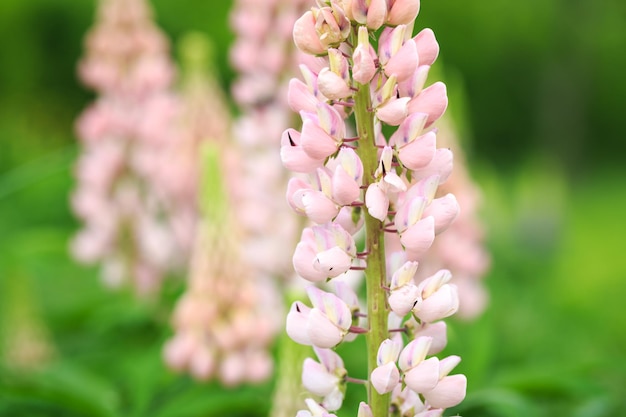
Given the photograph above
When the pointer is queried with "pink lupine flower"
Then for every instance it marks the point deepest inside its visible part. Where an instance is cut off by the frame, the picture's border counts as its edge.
(386, 376)
(420, 374)
(323, 252)
(364, 67)
(325, 378)
(403, 292)
(450, 389)
(438, 298)
(324, 325)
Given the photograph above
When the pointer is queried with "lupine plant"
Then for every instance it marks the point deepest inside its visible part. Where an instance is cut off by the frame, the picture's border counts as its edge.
(381, 183)
(120, 195)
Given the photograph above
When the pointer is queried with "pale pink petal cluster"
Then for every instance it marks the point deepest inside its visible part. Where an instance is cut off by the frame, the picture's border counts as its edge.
(127, 227)
(226, 319)
(401, 192)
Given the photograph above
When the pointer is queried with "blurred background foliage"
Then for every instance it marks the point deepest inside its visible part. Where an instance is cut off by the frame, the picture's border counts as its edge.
(542, 104)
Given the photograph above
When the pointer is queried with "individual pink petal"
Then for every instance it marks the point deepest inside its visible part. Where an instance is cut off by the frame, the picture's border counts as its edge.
(432, 100)
(444, 210)
(438, 331)
(318, 207)
(390, 42)
(295, 188)
(388, 351)
(348, 220)
(332, 306)
(364, 67)
(347, 295)
(450, 391)
(303, 258)
(409, 212)
(322, 332)
(394, 182)
(385, 378)
(317, 379)
(414, 353)
(293, 156)
(376, 14)
(345, 189)
(305, 35)
(376, 201)
(447, 364)
(443, 303)
(424, 376)
(402, 300)
(434, 282)
(364, 410)
(420, 152)
(403, 12)
(330, 359)
(332, 85)
(394, 111)
(351, 162)
(316, 142)
(332, 262)
(300, 97)
(333, 401)
(409, 129)
(418, 238)
(403, 63)
(427, 46)
(404, 275)
(296, 323)
(414, 84)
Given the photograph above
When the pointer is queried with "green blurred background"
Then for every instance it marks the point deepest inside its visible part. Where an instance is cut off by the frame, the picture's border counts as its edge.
(539, 90)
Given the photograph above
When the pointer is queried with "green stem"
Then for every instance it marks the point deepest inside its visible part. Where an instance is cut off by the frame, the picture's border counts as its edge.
(375, 273)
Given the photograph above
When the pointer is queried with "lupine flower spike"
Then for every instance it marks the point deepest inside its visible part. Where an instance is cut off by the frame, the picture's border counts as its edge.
(128, 224)
(385, 186)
